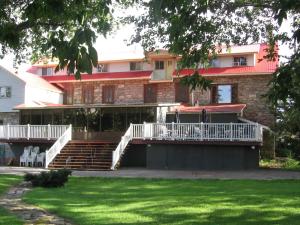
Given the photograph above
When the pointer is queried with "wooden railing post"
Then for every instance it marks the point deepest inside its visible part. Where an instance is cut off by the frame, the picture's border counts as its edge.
(8, 134)
(257, 133)
(201, 131)
(231, 130)
(131, 131)
(28, 131)
(49, 131)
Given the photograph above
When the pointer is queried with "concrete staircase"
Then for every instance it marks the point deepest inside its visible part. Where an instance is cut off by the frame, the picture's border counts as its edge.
(85, 155)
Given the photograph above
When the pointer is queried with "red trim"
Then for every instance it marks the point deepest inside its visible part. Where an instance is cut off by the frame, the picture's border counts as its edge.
(261, 66)
(101, 76)
(225, 108)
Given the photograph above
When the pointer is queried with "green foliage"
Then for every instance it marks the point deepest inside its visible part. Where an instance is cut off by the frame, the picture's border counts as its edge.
(6, 181)
(64, 29)
(49, 179)
(95, 201)
(284, 98)
(287, 163)
(197, 30)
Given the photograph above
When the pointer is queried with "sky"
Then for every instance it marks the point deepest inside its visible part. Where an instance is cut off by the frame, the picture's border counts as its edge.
(116, 43)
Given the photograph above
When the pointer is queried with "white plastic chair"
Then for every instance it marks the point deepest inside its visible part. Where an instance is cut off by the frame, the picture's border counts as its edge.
(40, 159)
(31, 159)
(24, 156)
(36, 149)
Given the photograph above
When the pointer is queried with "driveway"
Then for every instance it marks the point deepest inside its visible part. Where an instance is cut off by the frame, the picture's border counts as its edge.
(260, 174)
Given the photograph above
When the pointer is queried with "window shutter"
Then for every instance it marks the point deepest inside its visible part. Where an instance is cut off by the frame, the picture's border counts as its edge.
(214, 94)
(108, 94)
(181, 93)
(234, 93)
(150, 93)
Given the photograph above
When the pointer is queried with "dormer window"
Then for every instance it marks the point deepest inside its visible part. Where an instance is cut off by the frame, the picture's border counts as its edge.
(240, 61)
(135, 66)
(47, 71)
(102, 68)
(159, 65)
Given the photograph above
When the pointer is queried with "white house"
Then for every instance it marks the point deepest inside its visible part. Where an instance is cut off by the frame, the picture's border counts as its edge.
(24, 89)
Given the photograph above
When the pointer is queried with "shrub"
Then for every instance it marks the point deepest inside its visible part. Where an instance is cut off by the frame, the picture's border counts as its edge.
(53, 178)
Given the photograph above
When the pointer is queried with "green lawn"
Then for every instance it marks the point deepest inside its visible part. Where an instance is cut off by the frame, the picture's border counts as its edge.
(5, 182)
(139, 201)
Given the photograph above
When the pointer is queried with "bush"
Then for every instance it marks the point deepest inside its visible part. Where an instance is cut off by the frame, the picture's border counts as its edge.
(53, 178)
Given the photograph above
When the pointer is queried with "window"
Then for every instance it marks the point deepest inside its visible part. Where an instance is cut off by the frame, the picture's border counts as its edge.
(150, 93)
(214, 63)
(5, 92)
(47, 71)
(159, 65)
(181, 93)
(108, 94)
(88, 94)
(102, 68)
(135, 66)
(69, 94)
(224, 93)
(239, 61)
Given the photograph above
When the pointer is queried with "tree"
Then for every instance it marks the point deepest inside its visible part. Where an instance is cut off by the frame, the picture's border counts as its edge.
(64, 29)
(196, 29)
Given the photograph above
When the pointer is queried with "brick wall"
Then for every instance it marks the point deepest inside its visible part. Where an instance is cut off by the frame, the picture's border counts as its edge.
(250, 91)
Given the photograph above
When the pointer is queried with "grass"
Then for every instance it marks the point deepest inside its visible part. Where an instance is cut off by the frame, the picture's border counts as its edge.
(93, 201)
(7, 218)
(280, 163)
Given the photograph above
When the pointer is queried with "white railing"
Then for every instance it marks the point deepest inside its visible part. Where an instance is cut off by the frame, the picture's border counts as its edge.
(58, 145)
(32, 131)
(188, 132)
(117, 153)
(198, 131)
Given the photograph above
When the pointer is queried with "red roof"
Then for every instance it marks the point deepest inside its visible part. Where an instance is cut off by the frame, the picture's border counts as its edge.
(261, 67)
(37, 104)
(226, 108)
(101, 76)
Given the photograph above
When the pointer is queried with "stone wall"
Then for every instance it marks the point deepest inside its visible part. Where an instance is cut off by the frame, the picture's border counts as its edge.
(9, 118)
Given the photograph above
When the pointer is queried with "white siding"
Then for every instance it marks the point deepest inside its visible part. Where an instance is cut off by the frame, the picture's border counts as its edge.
(42, 95)
(227, 61)
(17, 91)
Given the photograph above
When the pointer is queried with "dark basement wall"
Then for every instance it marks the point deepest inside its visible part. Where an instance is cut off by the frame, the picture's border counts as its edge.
(191, 157)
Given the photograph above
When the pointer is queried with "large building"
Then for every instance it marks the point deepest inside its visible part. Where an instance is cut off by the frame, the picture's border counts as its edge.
(136, 88)
(168, 125)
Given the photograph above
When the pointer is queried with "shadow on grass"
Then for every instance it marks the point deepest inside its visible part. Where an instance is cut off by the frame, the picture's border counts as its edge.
(88, 201)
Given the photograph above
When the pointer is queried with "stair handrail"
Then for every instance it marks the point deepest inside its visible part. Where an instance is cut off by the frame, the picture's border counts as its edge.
(118, 152)
(58, 146)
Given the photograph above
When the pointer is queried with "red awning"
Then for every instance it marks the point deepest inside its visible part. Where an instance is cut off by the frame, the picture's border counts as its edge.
(226, 108)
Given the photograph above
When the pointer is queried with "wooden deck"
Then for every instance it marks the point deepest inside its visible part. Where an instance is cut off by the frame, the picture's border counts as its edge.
(189, 142)
(28, 141)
